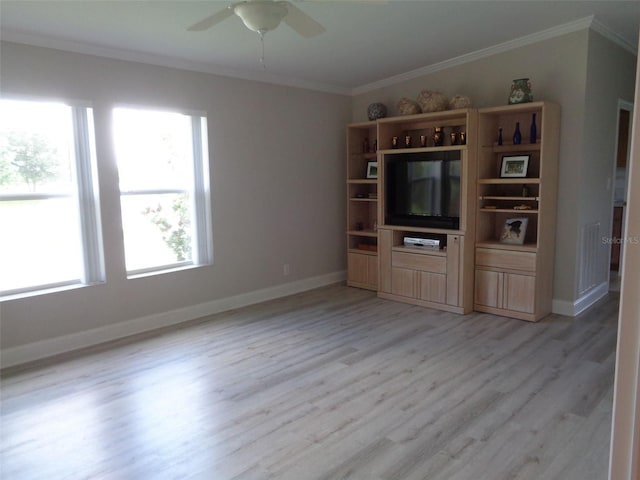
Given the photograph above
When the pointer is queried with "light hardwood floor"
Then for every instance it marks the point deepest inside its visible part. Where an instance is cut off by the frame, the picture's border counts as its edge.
(329, 384)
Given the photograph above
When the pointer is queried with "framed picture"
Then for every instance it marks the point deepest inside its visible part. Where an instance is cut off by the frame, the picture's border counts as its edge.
(372, 169)
(514, 230)
(514, 166)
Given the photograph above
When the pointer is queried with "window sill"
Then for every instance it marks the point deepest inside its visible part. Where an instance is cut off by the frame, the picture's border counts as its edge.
(46, 290)
(161, 271)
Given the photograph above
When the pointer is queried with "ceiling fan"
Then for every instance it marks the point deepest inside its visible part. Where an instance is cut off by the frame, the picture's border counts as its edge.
(262, 16)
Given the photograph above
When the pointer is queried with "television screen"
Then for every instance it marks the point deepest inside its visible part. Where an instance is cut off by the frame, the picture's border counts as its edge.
(423, 189)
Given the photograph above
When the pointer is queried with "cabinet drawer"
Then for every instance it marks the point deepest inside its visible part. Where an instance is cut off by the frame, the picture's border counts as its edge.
(417, 261)
(489, 257)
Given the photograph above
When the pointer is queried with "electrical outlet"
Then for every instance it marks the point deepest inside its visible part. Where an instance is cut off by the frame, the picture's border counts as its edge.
(286, 269)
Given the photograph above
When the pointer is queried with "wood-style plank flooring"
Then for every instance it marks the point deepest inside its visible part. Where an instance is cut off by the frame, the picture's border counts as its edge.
(329, 384)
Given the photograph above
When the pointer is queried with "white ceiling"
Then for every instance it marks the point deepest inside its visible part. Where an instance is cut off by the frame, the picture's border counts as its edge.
(365, 43)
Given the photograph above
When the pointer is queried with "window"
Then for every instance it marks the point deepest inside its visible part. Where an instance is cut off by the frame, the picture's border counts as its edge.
(164, 189)
(49, 220)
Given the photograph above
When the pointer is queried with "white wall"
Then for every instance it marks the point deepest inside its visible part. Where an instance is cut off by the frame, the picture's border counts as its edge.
(277, 167)
(559, 70)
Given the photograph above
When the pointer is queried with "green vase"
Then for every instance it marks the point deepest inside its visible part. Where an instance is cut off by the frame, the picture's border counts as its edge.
(520, 91)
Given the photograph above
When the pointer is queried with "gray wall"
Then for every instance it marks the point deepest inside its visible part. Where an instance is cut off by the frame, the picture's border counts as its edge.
(582, 72)
(276, 154)
(610, 77)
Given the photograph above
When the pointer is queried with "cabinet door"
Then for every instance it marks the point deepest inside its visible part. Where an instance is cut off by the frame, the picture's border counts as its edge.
(520, 293)
(433, 287)
(403, 282)
(357, 268)
(488, 288)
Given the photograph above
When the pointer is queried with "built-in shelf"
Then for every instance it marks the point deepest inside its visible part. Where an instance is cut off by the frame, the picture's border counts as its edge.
(516, 279)
(434, 278)
(510, 148)
(508, 210)
(363, 233)
(527, 247)
(448, 148)
(514, 198)
(442, 231)
(509, 181)
(362, 206)
(362, 181)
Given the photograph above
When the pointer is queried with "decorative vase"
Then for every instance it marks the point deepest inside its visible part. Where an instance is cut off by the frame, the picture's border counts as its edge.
(533, 131)
(517, 136)
(520, 91)
(432, 101)
(376, 111)
(438, 139)
(459, 101)
(407, 106)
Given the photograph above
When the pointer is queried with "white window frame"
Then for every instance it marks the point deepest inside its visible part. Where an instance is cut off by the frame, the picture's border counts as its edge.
(200, 195)
(87, 201)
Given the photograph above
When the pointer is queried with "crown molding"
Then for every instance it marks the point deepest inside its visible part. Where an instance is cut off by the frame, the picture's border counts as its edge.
(268, 77)
(581, 24)
(170, 62)
(610, 34)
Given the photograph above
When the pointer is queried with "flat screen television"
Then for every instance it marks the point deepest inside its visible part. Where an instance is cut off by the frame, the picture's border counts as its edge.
(423, 189)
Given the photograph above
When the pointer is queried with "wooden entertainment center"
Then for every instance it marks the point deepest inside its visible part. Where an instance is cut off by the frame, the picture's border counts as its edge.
(476, 265)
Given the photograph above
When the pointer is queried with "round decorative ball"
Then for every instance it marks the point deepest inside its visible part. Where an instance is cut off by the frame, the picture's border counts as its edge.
(459, 101)
(376, 111)
(432, 101)
(408, 107)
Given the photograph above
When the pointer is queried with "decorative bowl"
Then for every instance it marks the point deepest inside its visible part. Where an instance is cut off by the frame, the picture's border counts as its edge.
(432, 101)
(376, 110)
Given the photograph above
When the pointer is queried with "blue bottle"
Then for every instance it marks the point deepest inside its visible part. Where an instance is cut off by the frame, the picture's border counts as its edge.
(533, 131)
(517, 136)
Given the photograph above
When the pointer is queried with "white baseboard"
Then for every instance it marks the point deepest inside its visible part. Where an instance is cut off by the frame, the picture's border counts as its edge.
(573, 309)
(46, 348)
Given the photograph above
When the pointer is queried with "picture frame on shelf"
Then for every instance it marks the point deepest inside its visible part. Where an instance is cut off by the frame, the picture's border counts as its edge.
(372, 170)
(514, 231)
(514, 166)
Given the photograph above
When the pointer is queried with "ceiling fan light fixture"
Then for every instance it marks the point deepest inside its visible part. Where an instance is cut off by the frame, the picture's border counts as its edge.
(261, 16)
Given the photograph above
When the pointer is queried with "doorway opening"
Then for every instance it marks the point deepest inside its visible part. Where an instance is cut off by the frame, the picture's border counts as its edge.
(620, 191)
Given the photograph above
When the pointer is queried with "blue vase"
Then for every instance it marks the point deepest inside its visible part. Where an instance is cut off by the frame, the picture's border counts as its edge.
(533, 131)
(520, 91)
(517, 136)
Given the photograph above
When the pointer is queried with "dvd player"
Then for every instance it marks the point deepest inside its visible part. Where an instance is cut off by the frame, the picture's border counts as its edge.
(421, 242)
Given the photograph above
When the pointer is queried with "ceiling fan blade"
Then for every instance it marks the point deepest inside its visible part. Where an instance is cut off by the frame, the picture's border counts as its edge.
(211, 20)
(302, 23)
